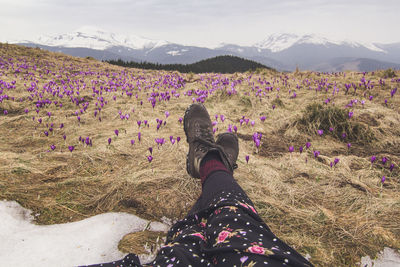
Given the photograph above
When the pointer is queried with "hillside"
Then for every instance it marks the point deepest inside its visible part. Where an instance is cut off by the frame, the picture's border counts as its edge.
(75, 135)
(219, 64)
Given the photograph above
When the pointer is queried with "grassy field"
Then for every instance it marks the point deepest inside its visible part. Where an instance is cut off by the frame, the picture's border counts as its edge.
(336, 214)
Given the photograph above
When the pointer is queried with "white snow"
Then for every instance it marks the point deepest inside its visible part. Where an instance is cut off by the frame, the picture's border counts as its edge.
(90, 241)
(387, 258)
(177, 52)
(281, 41)
(174, 53)
(96, 38)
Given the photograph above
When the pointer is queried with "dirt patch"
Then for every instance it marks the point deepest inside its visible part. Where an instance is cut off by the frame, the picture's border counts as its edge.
(142, 242)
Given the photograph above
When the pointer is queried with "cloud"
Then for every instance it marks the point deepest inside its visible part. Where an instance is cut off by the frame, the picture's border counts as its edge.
(204, 22)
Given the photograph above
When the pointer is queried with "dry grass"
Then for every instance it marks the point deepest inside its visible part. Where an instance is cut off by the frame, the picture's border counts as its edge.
(334, 214)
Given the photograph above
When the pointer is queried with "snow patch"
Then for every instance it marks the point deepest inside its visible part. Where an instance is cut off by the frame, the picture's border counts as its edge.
(90, 241)
(387, 258)
(177, 52)
(279, 42)
(96, 38)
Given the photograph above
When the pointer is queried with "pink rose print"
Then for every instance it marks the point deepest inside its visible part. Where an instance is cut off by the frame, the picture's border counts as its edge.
(222, 236)
(202, 224)
(199, 235)
(257, 250)
(243, 205)
(252, 209)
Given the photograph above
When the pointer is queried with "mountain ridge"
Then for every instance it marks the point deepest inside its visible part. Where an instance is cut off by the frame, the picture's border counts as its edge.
(279, 51)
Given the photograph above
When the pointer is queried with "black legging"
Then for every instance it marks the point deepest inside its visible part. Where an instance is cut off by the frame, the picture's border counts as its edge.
(224, 229)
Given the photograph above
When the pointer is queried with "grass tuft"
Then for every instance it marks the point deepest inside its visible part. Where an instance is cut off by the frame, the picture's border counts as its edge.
(335, 122)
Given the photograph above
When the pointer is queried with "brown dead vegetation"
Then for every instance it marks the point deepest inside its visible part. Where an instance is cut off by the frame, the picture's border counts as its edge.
(336, 215)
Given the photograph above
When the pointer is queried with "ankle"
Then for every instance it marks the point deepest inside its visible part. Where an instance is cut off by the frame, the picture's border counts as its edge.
(211, 163)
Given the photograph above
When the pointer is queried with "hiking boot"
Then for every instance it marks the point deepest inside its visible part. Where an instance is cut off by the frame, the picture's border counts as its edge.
(199, 135)
(230, 144)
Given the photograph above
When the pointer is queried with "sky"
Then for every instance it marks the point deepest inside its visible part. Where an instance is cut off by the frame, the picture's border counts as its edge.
(204, 22)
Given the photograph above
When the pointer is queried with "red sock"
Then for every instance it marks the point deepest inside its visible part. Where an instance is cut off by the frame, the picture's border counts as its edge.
(211, 163)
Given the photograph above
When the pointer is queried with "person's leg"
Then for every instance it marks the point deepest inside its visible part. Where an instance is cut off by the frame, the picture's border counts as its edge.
(224, 219)
(235, 232)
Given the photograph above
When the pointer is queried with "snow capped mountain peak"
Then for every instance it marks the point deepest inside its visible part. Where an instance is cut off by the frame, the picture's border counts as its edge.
(281, 41)
(96, 38)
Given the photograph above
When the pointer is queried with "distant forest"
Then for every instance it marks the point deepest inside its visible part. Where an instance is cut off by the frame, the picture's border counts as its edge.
(219, 64)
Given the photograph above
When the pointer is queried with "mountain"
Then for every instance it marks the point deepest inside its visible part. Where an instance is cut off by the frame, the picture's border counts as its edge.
(98, 39)
(280, 42)
(356, 64)
(279, 51)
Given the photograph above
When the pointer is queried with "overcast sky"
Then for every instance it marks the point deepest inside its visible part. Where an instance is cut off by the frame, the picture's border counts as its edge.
(205, 22)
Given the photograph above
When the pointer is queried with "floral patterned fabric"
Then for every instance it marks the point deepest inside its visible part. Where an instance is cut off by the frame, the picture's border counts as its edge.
(223, 229)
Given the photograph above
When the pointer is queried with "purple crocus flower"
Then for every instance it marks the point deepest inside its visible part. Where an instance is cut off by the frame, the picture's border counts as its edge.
(373, 158)
(320, 132)
(139, 136)
(65, 137)
(351, 114)
(46, 133)
(291, 149)
(247, 158)
(384, 160)
(252, 123)
(150, 158)
(132, 142)
(330, 129)
(116, 132)
(262, 118)
(26, 110)
(178, 139)
(383, 179)
(180, 119)
(336, 161)
(235, 128)
(222, 118)
(308, 144)
(348, 145)
(109, 141)
(71, 148)
(301, 149)
(53, 147)
(391, 167)
(139, 123)
(344, 135)
(316, 153)
(151, 150)
(166, 114)
(61, 125)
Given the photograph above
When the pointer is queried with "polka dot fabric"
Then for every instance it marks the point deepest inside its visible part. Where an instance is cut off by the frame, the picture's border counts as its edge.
(222, 229)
